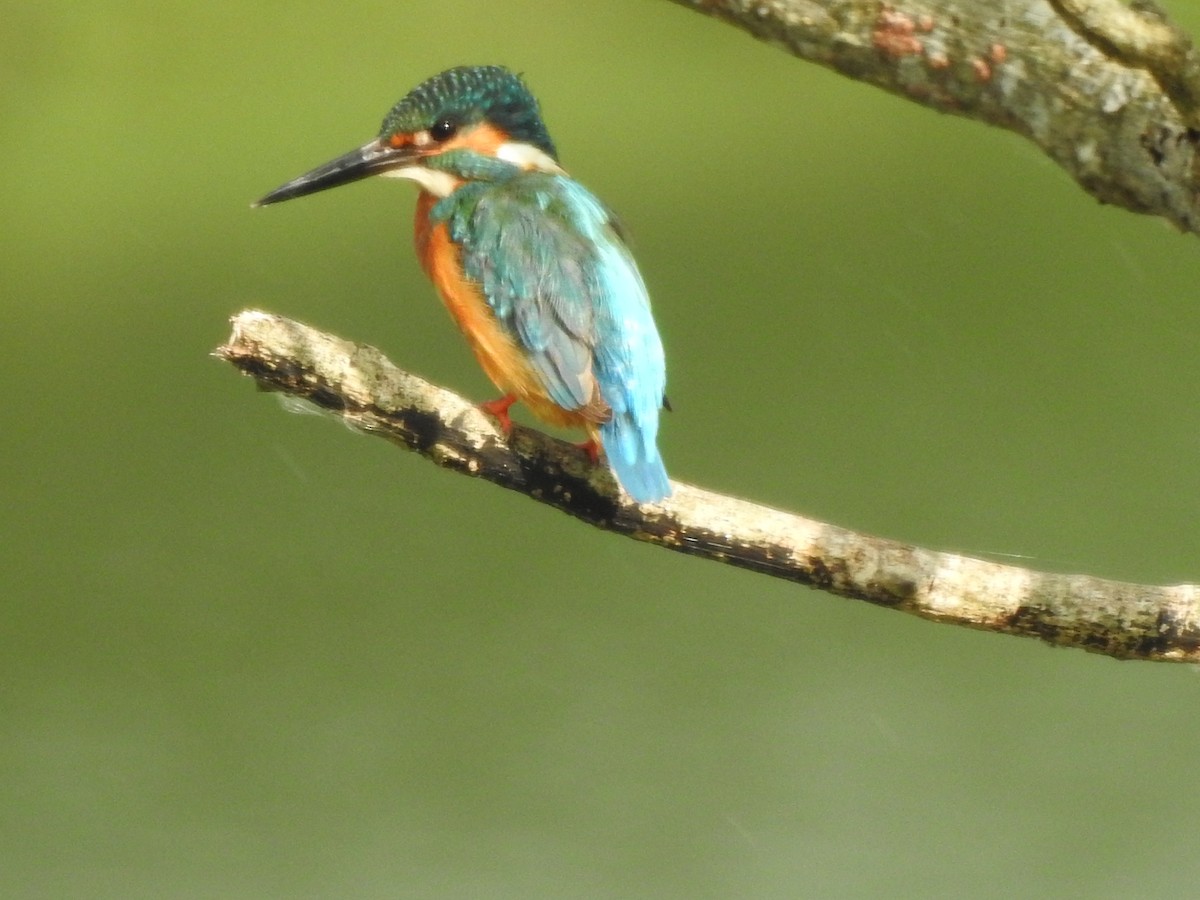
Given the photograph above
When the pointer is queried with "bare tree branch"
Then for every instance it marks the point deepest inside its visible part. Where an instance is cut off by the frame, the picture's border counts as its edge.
(1110, 92)
(357, 383)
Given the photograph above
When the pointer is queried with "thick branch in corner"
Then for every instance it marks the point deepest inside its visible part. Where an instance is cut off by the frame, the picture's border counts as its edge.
(1110, 93)
(357, 383)
(1142, 38)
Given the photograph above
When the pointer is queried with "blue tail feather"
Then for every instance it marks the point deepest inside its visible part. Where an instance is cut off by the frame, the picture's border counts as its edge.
(635, 460)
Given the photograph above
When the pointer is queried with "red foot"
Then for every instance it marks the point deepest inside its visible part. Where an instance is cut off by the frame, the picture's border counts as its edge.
(499, 409)
(592, 449)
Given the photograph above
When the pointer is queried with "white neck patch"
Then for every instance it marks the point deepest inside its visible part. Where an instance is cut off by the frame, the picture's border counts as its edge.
(528, 157)
(438, 183)
(443, 184)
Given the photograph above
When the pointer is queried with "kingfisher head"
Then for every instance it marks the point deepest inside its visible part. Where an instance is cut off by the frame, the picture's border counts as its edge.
(467, 123)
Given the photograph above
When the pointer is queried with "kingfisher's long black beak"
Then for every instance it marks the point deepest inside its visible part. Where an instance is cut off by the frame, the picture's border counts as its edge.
(369, 159)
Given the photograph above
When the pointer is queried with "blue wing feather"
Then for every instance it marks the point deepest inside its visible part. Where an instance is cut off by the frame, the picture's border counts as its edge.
(559, 278)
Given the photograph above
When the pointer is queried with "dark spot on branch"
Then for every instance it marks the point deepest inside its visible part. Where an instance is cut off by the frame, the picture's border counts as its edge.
(899, 592)
(1093, 640)
(326, 398)
(821, 575)
(1169, 633)
(425, 429)
(1153, 143)
(1032, 620)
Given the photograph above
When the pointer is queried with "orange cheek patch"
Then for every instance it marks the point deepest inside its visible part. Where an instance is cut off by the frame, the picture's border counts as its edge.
(483, 138)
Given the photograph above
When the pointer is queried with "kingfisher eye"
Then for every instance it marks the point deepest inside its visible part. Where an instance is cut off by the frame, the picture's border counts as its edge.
(443, 129)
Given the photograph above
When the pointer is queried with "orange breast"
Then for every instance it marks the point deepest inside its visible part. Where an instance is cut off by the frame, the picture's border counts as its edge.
(498, 353)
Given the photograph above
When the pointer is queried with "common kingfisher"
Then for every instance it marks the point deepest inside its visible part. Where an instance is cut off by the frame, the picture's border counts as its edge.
(531, 265)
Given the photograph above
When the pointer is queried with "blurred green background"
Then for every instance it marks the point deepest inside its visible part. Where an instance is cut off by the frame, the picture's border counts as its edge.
(250, 654)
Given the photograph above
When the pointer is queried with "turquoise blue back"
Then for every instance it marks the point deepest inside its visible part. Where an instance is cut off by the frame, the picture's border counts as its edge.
(562, 282)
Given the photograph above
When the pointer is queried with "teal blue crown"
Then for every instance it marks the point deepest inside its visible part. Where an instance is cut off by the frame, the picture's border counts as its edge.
(468, 95)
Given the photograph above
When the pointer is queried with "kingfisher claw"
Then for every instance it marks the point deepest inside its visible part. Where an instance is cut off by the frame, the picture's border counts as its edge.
(498, 409)
(592, 448)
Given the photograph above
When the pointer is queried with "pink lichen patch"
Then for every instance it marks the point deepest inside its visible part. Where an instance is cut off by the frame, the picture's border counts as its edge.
(999, 53)
(938, 60)
(983, 72)
(893, 34)
(925, 24)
